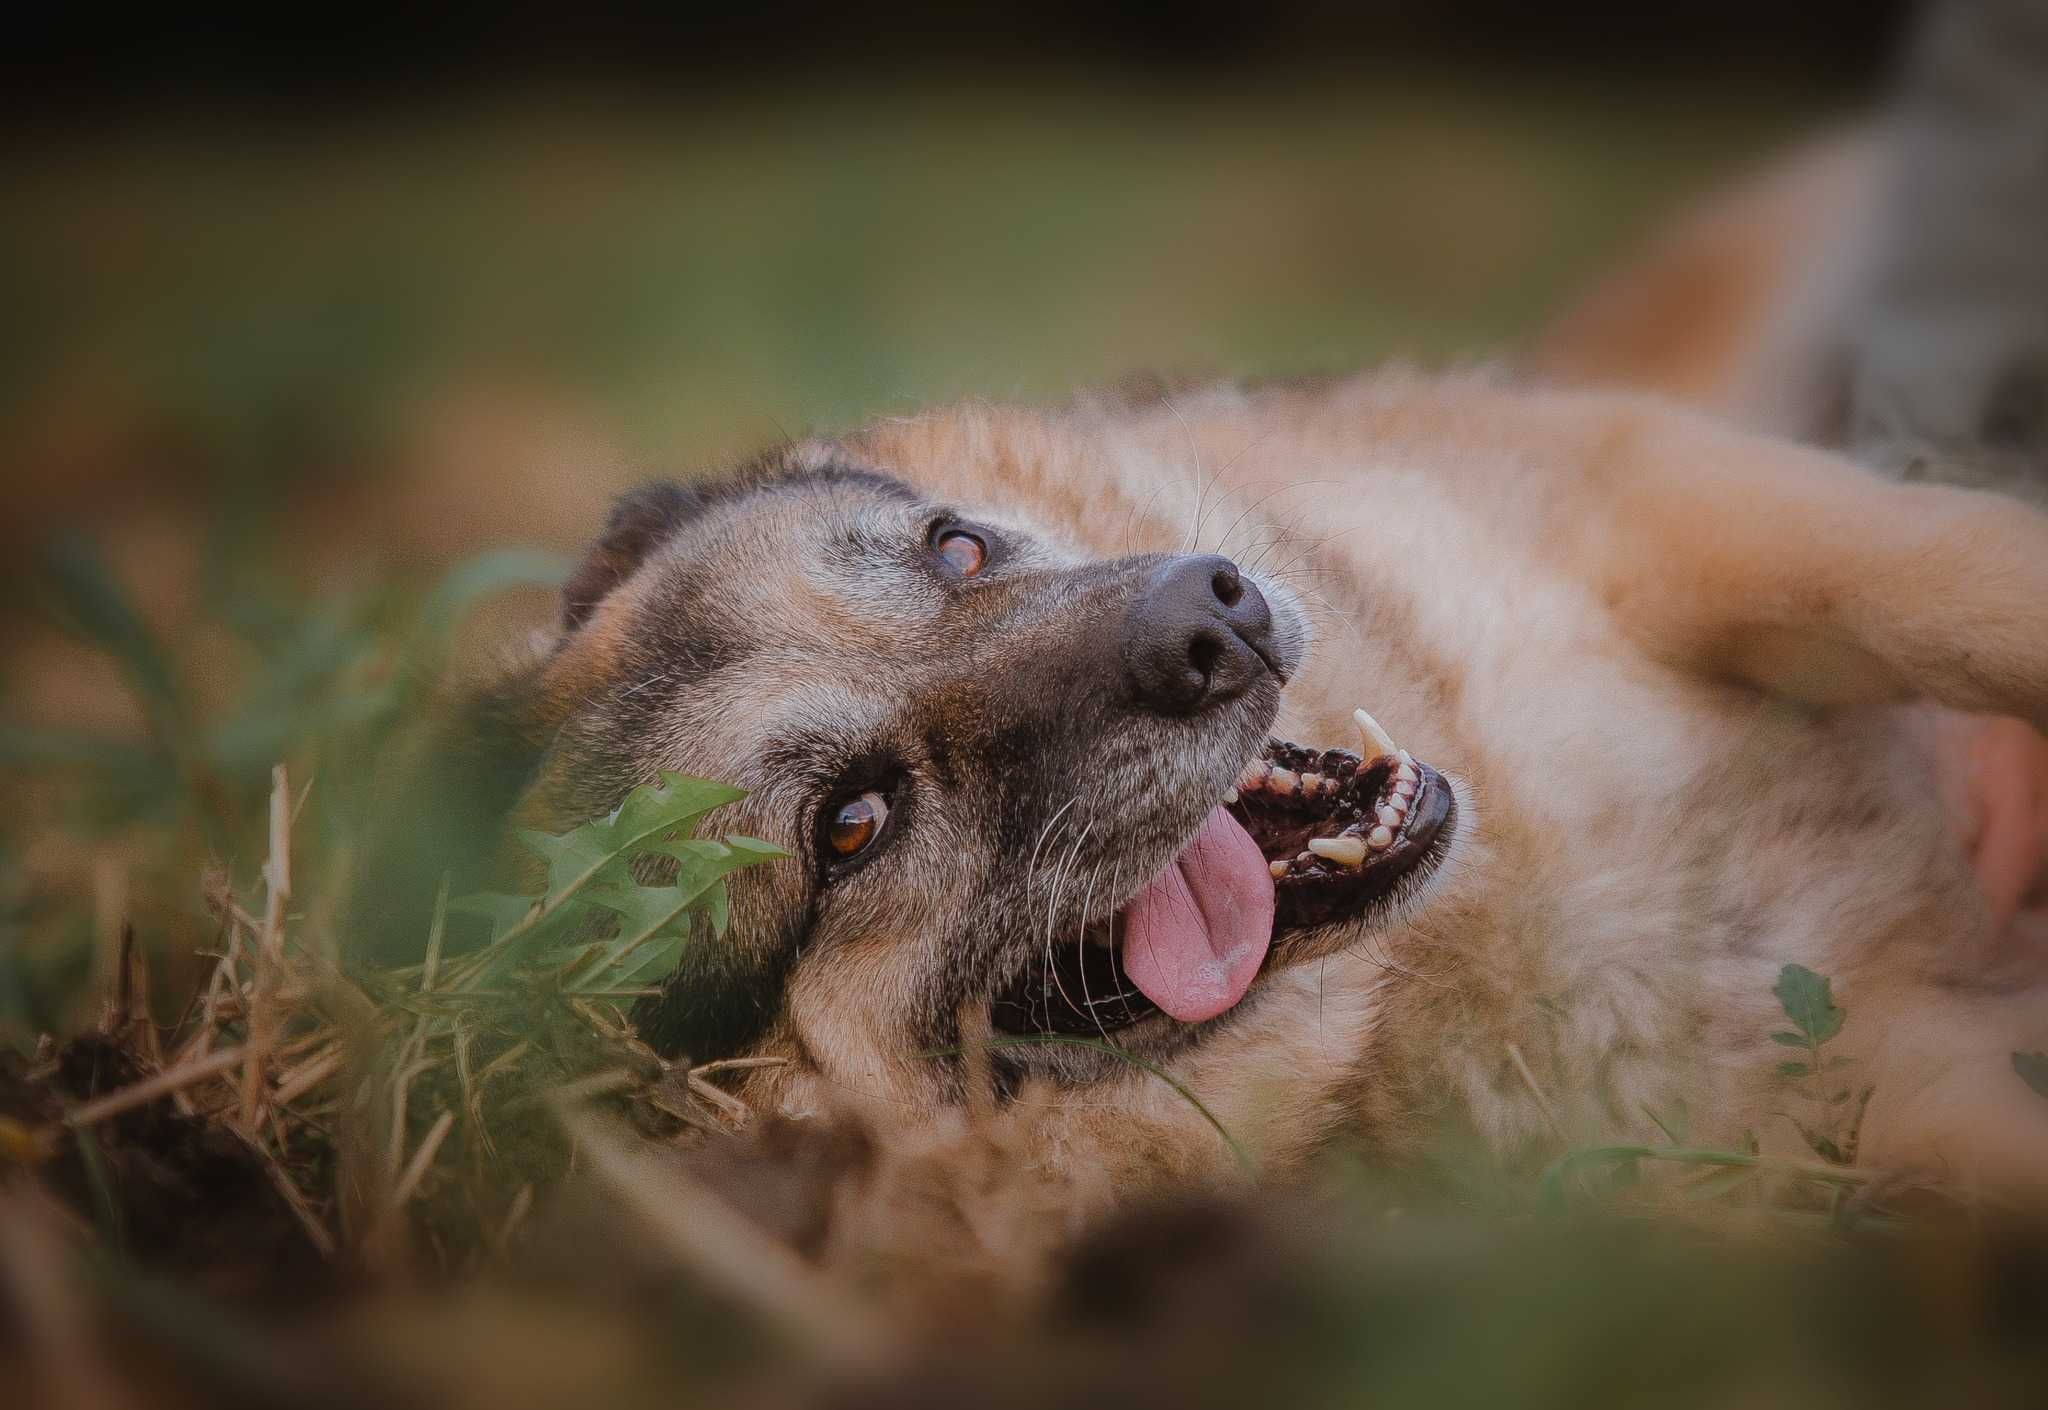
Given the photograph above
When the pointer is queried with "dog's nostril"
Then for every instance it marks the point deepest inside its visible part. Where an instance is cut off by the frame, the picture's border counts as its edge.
(1197, 634)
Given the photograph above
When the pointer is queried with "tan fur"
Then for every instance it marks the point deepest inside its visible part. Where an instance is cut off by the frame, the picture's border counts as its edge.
(1600, 614)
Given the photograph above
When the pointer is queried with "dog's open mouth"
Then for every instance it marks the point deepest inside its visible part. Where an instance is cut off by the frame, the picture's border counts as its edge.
(1306, 838)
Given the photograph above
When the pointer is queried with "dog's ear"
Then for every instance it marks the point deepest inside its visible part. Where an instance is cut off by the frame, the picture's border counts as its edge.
(1802, 574)
(640, 522)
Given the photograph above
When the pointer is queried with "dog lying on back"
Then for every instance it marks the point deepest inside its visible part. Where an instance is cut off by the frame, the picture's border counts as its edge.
(1059, 711)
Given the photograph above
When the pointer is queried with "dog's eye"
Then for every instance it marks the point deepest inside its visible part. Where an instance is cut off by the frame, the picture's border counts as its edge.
(853, 824)
(963, 552)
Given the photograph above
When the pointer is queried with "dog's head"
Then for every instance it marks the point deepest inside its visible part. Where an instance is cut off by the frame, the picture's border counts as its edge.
(1031, 791)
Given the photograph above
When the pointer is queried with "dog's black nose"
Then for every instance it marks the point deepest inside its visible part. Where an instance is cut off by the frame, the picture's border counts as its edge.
(1198, 634)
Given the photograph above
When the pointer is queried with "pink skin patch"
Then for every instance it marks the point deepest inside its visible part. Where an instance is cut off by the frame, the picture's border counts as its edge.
(1195, 937)
(1994, 777)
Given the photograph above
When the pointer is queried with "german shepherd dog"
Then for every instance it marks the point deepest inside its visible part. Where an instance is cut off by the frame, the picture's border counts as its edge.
(1375, 758)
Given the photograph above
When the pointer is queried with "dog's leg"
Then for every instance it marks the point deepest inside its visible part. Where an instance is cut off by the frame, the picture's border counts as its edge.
(1801, 574)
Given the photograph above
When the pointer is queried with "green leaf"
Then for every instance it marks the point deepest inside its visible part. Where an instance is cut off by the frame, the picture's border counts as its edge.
(2033, 1070)
(654, 960)
(591, 866)
(669, 805)
(1791, 1040)
(755, 849)
(1809, 1001)
(690, 851)
(1794, 1069)
(645, 911)
(502, 911)
(575, 858)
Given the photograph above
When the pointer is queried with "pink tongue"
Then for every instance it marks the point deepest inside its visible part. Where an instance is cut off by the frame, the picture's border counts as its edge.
(1195, 937)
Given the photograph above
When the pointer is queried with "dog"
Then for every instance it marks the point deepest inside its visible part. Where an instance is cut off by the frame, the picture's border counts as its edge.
(1371, 760)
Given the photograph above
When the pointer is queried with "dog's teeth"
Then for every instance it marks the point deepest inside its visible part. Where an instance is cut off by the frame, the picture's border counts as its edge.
(1282, 782)
(1229, 795)
(1253, 778)
(1380, 838)
(1406, 774)
(1406, 761)
(1277, 869)
(1302, 859)
(1311, 785)
(1344, 851)
(1377, 740)
(1389, 815)
(1398, 804)
(1404, 789)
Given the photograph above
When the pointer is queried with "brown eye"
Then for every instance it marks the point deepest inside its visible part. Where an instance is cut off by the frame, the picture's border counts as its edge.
(855, 823)
(964, 552)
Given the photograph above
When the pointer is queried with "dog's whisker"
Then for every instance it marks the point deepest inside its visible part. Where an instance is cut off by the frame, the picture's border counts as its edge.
(1031, 888)
(1080, 939)
(1201, 484)
(1317, 547)
(1223, 543)
(1221, 471)
(1052, 909)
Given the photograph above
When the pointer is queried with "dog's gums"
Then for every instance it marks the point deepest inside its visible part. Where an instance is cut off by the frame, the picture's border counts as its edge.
(1339, 832)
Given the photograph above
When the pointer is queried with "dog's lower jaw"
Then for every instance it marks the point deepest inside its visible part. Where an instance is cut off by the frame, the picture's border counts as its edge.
(1348, 838)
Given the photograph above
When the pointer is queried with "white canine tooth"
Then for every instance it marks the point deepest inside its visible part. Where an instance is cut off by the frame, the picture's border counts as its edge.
(1304, 858)
(1402, 755)
(1253, 778)
(1229, 795)
(1389, 815)
(1406, 774)
(1380, 838)
(1344, 851)
(1277, 869)
(1377, 740)
(1404, 788)
(1311, 785)
(1282, 782)
(1397, 803)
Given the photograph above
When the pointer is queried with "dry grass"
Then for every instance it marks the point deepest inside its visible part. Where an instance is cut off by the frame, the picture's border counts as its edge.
(324, 1187)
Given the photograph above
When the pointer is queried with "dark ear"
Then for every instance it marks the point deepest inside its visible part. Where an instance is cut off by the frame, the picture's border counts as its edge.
(640, 522)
